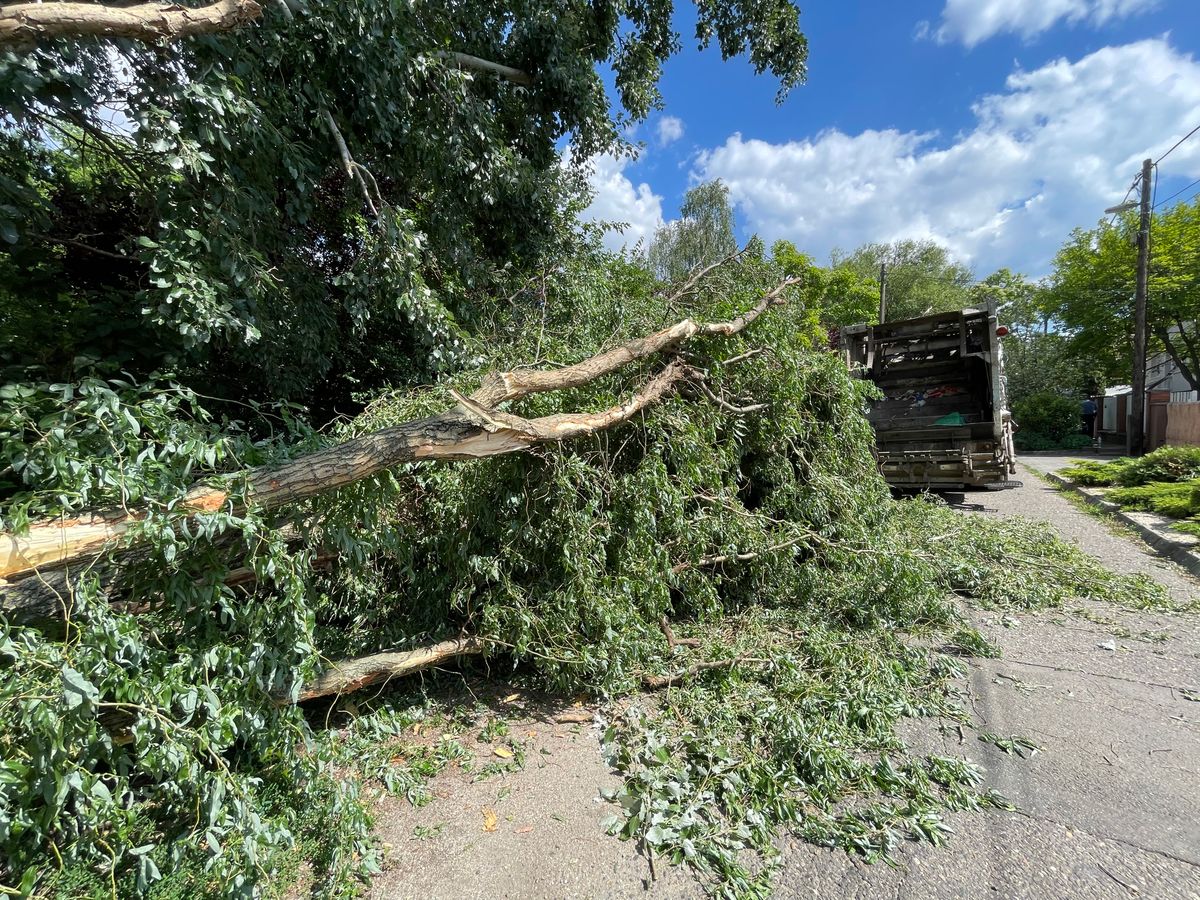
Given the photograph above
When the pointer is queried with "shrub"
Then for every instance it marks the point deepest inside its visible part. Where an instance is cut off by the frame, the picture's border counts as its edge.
(1164, 464)
(1092, 473)
(1046, 415)
(1178, 500)
(1032, 442)
(1075, 441)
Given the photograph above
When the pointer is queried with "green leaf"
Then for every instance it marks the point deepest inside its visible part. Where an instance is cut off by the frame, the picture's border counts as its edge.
(77, 690)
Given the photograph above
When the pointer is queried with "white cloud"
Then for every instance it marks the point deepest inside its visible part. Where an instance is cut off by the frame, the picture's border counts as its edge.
(617, 199)
(1054, 149)
(974, 21)
(670, 129)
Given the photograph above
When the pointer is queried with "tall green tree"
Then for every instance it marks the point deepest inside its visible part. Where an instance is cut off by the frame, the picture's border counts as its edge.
(922, 277)
(702, 235)
(839, 295)
(1092, 291)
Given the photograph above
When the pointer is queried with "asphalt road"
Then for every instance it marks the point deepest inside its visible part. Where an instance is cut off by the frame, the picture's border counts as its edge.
(1109, 809)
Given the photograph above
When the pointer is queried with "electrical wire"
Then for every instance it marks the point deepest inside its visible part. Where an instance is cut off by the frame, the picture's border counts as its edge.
(1177, 143)
(1177, 193)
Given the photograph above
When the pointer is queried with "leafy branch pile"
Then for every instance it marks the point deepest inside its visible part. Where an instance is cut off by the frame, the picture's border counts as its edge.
(158, 722)
(803, 735)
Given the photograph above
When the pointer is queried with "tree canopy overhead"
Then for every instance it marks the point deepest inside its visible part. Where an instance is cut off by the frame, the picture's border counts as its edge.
(257, 199)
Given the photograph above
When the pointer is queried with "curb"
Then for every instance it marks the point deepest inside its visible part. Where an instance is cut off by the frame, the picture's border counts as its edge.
(1150, 527)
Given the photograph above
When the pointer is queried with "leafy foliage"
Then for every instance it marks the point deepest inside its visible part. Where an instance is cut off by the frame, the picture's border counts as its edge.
(1092, 289)
(194, 188)
(1177, 499)
(922, 278)
(800, 735)
(1093, 473)
(181, 214)
(1168, 463)
(1046, 419)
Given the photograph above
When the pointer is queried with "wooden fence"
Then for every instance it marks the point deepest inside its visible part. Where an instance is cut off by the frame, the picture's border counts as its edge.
(1183, 423)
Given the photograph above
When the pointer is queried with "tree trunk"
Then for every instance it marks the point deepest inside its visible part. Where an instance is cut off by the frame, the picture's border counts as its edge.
(1185, 364)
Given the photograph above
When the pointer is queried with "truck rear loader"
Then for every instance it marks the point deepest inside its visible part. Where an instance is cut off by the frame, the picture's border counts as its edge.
(942, 422)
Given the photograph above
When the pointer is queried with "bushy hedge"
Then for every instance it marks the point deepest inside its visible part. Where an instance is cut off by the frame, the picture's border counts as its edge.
(1048, 422)
(1166, 464)
(1177, 499)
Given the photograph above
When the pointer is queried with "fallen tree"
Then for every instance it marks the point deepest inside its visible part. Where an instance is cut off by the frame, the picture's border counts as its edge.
(474, 429)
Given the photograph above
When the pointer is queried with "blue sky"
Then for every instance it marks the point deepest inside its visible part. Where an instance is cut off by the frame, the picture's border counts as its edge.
(993, 126)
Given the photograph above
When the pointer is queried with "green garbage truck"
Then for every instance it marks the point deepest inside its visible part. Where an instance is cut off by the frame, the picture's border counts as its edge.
(942, 422)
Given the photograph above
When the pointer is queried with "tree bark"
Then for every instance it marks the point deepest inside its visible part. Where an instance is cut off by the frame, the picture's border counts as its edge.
(466, 61)
(355, 674)
(23, 25)
(472, 430)
(27, 23)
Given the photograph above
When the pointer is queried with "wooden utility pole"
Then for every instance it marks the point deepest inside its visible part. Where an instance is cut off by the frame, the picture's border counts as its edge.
(882, 293)
(1137, 413)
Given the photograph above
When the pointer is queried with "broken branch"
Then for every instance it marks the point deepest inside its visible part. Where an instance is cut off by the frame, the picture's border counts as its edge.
(351, 675)
(725, 405)
(665, 624)
(466, 61)
(658, 682)
(25, 23)
(472, 430)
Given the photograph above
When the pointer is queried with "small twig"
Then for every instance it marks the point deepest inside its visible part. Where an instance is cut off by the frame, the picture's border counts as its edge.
(728, 407)
(697, 275)
(733, 557)
(743, 356)
(672, 641)
(70, 242)
(658, 682)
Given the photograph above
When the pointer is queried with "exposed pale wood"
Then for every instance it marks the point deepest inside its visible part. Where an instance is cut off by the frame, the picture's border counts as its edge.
(499, 387)
(22, 24)
(466, 61)
(718, 559)
(472, 430)
(352, 675)
(449, 436)
(726, 405)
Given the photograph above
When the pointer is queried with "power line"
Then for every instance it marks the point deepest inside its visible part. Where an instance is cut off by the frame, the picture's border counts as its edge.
(1177, 143)
(1177, 193)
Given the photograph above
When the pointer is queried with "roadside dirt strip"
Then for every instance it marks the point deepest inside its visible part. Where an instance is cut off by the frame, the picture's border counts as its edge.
(1107, 806)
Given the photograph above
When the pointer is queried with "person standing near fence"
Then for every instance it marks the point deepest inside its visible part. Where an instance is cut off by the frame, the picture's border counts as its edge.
(1089, 417)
